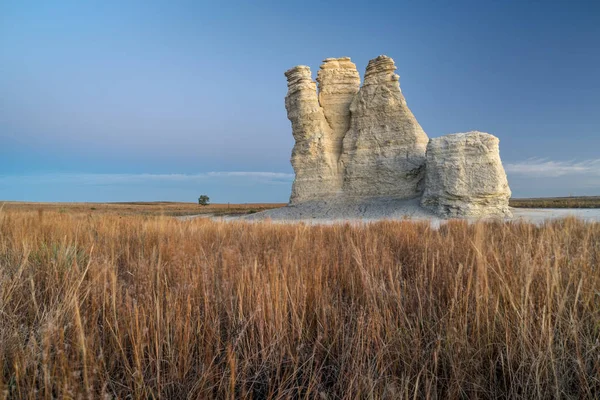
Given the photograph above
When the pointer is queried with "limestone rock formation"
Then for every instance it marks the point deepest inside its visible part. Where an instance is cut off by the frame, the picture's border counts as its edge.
(362, 146)
(338, 82)
(313, 156)
(384, 150)
(465, 177)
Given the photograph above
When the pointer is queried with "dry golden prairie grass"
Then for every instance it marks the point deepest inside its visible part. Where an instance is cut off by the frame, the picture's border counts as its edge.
(148, 307)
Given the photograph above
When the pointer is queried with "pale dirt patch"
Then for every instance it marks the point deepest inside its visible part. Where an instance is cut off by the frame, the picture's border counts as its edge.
(371, 210)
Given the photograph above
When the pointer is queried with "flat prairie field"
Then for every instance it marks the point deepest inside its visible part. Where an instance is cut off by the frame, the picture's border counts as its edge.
(143, 208)
(557, 202)
(113, 305)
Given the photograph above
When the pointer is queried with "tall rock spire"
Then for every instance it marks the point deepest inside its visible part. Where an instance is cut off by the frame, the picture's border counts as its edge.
(338, 82)
(384, 149)
(313, 158)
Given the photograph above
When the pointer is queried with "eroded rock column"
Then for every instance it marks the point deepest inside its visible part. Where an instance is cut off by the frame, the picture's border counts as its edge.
(313, 158)
(465, 176)
(384, 149)
(338, 82)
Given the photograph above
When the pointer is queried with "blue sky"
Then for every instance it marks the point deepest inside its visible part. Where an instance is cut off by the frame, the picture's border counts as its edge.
(167, 100)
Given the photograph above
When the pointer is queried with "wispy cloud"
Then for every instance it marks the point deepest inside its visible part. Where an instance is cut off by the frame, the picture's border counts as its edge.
(544, 168)
(588, 170)
(129, 179)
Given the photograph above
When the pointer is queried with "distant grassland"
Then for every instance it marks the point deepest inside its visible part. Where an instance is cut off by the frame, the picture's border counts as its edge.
(143, 208)
(100, 305)
(181, 209)
(557, 202)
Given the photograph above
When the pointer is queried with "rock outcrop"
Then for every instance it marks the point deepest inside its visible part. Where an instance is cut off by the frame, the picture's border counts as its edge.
(313, 158)
(338, 82)
(319, 124)
(465, 177)
(355, 143)
(384, 150)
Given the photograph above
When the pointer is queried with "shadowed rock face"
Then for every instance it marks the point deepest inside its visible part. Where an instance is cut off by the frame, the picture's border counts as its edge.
(465, 177)
(355, 143)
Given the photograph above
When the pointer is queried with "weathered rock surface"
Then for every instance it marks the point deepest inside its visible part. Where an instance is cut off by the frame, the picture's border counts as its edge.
(338, 82)
(361, 150)
(465, 176)
(384, 149)
(314, 159)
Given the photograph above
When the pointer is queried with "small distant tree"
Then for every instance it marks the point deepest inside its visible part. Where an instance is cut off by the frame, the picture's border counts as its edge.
(203, 200)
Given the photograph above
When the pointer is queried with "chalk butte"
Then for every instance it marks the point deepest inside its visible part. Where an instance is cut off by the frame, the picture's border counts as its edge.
(357, 146)
(465, 177)
(384, 149)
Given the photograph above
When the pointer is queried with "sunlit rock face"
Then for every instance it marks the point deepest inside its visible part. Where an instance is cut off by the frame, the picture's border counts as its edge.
(313, 157)
(384, 149)
(465, 176)
(353, 141)
(338, 82)
(319, 123)
(356, 142)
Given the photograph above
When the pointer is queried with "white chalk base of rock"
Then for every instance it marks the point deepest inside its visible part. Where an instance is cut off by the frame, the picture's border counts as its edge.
(329, 212)
(353, 210)
(344, 209)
